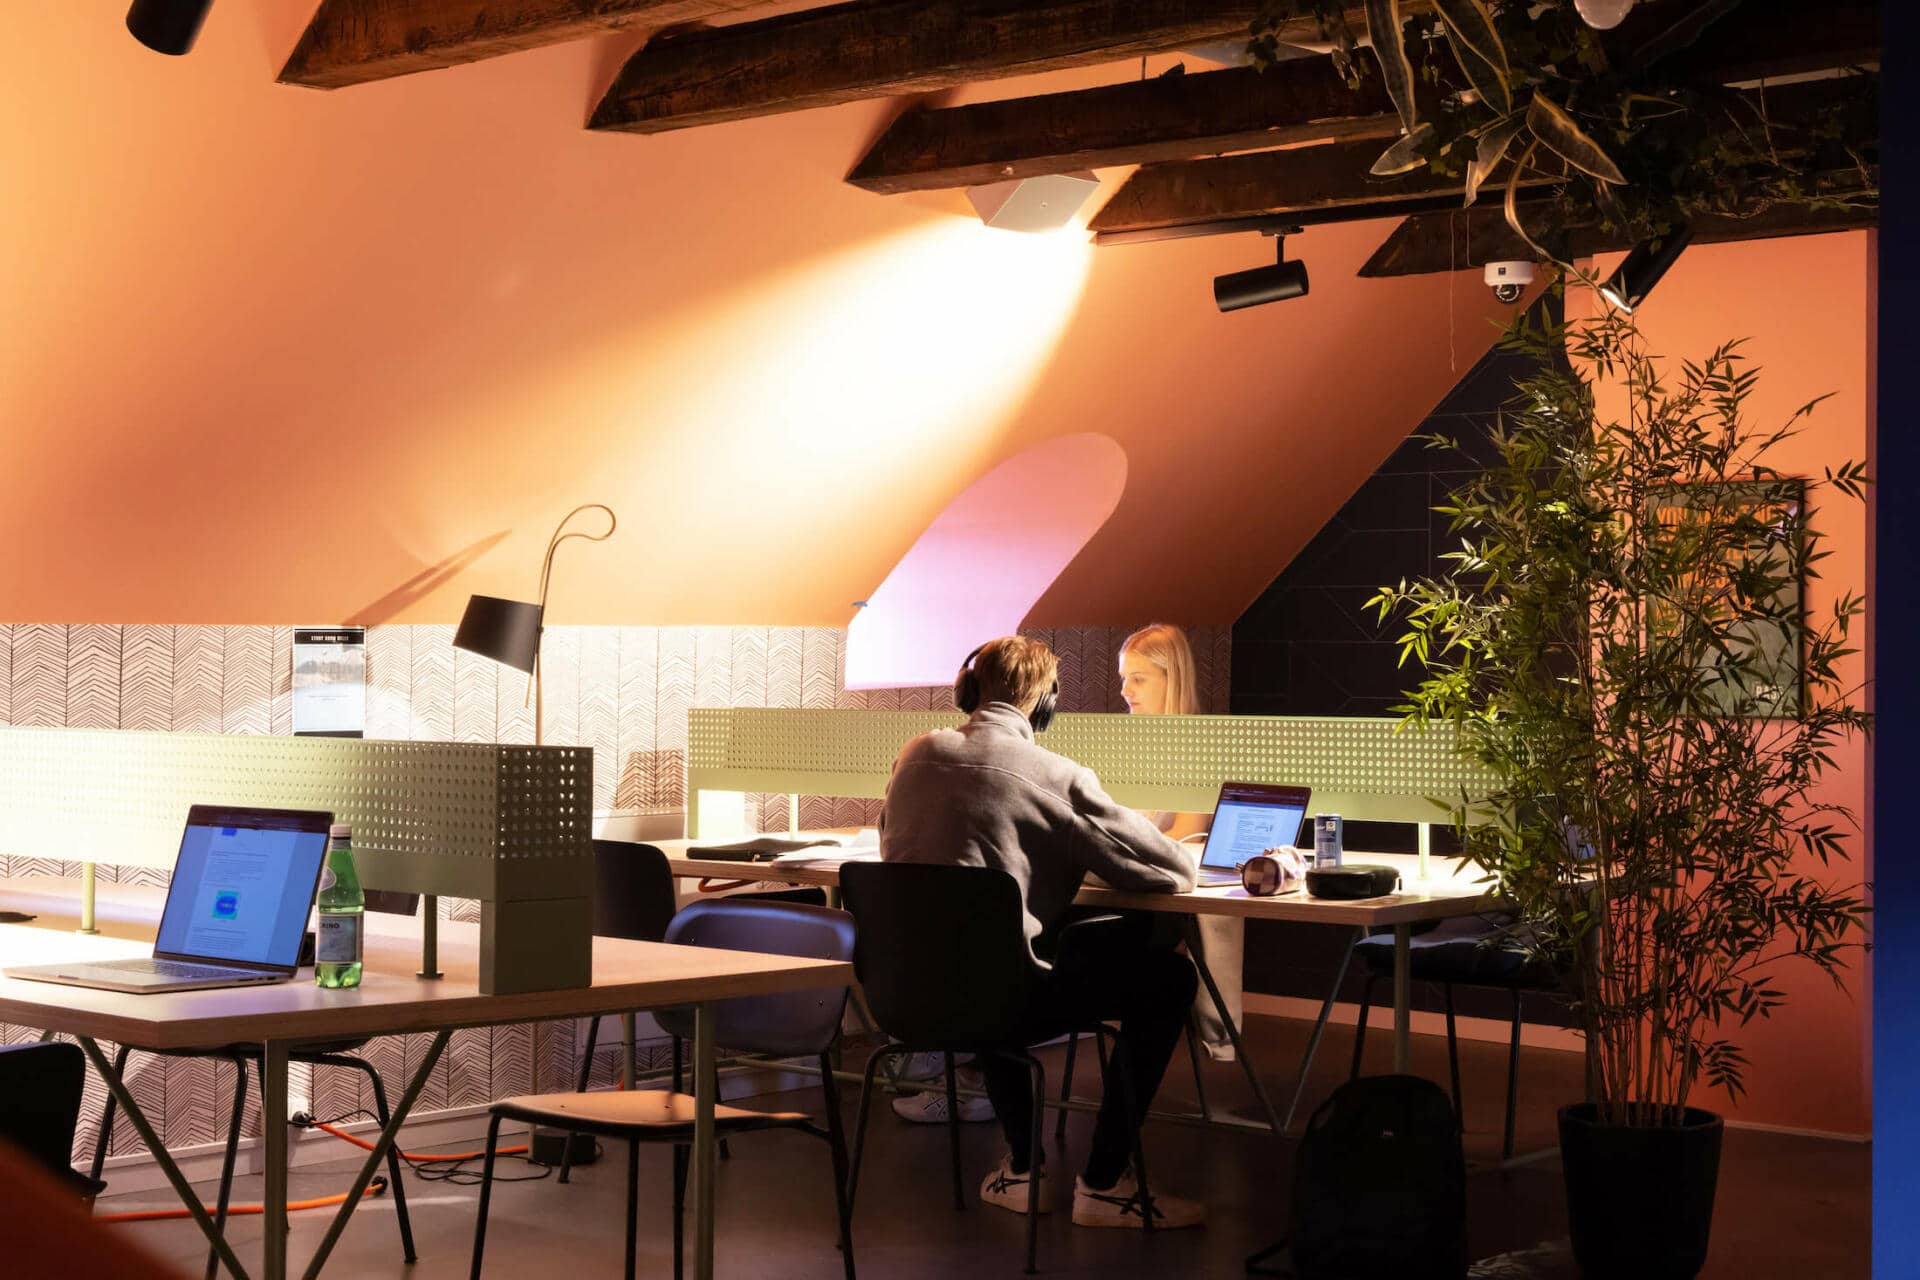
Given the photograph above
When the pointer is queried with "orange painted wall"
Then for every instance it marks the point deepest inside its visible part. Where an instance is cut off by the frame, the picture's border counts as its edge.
(1805, 307)
(275, 355)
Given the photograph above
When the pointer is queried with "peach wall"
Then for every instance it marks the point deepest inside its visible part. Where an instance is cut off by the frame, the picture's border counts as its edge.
(275, 355)
(1805, 307)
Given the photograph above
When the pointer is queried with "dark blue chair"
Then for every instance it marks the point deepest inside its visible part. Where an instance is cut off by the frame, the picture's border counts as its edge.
(788, 1025)
(40, 1089)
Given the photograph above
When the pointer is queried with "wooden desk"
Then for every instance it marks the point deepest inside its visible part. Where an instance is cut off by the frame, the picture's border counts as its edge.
(1452, 892)
(389, 1000)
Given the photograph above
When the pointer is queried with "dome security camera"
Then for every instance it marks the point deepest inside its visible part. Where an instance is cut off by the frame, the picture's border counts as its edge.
(1509, 280)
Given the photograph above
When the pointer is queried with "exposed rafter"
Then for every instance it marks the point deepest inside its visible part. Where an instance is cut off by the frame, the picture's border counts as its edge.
(1169, 117)
(355, 41)
(879, 48)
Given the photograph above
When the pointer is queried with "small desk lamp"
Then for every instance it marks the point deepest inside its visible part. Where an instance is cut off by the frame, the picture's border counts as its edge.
(508, 631)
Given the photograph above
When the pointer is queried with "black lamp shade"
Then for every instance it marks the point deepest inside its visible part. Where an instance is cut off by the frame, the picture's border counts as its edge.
(167, 26)
(1634, 279)
(508, 631)
(1261, 285)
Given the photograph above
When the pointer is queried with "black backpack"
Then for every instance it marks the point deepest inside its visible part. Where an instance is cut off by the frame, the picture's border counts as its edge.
(1380, 1186)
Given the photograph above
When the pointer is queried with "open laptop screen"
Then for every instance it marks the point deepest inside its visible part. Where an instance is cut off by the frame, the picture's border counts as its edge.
(243, 886)
(1250, 817)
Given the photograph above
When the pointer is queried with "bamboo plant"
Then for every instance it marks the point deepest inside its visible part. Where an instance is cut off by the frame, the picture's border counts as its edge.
(1620, 639)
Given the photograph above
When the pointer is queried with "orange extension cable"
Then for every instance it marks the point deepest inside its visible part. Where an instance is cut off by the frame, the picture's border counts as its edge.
(377, 1187)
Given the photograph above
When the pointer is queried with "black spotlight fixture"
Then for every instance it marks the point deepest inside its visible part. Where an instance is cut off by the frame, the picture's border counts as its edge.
(1262, 285)
(1630, 284)
(167, 26)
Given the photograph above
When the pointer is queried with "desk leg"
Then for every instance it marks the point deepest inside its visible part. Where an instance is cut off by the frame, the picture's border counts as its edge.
(273, 1135)
(1402, 995)
(377, 1156)
(181, 1187)
(705, 1085)
(1197, 951)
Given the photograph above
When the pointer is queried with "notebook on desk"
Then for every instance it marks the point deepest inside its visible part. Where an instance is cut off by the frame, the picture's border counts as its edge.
(237, 906)
(1248, 818)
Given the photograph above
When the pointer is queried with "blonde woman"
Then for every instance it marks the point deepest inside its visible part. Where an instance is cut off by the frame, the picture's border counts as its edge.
(1157, 678)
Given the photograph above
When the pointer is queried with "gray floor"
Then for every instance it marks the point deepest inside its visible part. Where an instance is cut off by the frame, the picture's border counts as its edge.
(1792, 1208)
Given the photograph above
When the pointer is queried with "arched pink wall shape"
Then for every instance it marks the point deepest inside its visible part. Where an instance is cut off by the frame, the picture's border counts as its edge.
(984, 561)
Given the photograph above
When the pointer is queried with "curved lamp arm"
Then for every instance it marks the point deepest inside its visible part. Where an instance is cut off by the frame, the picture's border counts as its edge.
(560, 535)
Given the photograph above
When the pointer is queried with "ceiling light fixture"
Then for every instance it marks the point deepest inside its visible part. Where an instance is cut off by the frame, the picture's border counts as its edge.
(1603, 14)
(167, 26)
(1262, 285)
(1634, 279)
(1045, 203)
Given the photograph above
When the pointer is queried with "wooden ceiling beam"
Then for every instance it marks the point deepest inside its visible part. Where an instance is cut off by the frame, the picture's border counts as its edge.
(879, 48)
(1170, 117)
(1306, 185)
(1460, 239)
(352, 42)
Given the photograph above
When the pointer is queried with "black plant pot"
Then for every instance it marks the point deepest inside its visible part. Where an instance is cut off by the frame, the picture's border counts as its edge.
(1639, 1200)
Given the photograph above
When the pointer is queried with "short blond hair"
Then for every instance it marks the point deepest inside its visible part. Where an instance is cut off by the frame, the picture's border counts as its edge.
(1166, 647)
(1016, 669)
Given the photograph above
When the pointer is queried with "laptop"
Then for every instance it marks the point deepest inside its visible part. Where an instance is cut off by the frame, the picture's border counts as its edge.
(237, 907)
(1250, 817)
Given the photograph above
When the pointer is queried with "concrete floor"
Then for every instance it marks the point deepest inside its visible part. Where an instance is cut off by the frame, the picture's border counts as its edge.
(1788, 1208)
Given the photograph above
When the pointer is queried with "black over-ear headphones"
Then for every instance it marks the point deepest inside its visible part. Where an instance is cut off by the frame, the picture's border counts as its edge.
(966, 695)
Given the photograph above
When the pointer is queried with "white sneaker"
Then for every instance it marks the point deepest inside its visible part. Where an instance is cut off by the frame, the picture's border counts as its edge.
(930, 1107)
(1119, 1206)
(1008, 1190)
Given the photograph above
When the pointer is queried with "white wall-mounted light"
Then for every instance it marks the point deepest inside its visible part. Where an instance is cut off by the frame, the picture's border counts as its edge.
(1045, 203)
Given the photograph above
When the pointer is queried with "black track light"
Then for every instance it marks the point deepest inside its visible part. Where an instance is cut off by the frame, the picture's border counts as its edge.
(1262, 285)
(167, 26)
(1634, 279)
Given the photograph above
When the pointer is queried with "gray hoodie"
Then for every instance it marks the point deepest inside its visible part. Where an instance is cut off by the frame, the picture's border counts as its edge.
(986, 795)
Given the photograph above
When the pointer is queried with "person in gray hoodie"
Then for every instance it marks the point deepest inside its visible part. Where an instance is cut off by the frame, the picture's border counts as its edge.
(987, 795)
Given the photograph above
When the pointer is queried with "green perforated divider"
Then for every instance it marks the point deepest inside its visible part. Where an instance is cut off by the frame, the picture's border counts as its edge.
(1365, 769)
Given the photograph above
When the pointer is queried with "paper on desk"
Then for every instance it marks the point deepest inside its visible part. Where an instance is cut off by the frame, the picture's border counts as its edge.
(827, 856)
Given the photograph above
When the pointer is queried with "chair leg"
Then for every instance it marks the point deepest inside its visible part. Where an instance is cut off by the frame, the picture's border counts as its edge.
(1123, 1076)
(882, 1054)
(226, 1167)
(1360, 1031)
(486, 1194)
(1066, 1090)
(586, 1057)
(679, 1072)
(1034, 1152)
(633, 1203)
(1513, 1078)
(1319, 1029)
(837, 1147)
(953, 1135)
(1199, 1075)
(394, 1179)
(104, 1139)
(1453, 1056)
(680, 1156)
(726, 1152)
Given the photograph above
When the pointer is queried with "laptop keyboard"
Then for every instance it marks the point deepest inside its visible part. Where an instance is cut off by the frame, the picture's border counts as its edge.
(170, 968)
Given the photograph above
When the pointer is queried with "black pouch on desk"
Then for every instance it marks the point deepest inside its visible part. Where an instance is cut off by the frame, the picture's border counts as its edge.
(765, 849)
(1354, 880)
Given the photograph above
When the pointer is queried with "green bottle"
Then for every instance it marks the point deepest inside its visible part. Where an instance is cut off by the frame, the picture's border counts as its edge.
(342, 907)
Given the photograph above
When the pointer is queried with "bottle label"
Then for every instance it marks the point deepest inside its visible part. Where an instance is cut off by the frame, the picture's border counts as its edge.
(339, 940)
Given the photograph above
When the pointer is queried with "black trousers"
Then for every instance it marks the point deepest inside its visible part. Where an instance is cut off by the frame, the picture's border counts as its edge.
(1110, 971)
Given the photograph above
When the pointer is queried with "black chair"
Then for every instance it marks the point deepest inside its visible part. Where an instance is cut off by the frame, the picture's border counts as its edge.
(790, 1025)
(942, 958)
(634, 897)
(40, 1089)
(1470, 952)
(339, 1053)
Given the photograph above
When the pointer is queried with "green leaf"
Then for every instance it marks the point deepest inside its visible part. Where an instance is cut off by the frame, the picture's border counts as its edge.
(1554, 127)
(1478, 50)
(1404, 155)
(1493, 148)
(1383, 30)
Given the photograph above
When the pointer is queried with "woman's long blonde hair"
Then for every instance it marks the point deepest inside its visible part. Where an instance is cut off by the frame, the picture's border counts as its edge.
(1166, 647)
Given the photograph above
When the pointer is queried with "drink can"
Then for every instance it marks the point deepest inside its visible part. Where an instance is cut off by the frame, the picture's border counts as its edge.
(1326, 839)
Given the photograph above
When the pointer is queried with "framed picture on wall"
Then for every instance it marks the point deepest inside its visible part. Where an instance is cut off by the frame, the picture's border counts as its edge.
(330, 682)
(1762, 519)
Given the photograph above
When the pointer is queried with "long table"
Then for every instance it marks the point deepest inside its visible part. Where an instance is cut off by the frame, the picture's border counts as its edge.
(1438, 897)
(389, 1000)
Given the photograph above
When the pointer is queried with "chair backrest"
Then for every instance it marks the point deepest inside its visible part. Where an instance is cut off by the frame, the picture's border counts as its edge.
(791, 1023)
(941, 953)
(40, 1086)
(633, 891)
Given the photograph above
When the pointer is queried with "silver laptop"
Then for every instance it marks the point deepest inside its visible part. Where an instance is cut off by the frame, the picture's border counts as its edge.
(237, 907)
(1250, 817)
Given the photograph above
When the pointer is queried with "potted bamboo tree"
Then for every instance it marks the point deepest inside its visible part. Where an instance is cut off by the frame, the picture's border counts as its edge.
(1620, 640)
